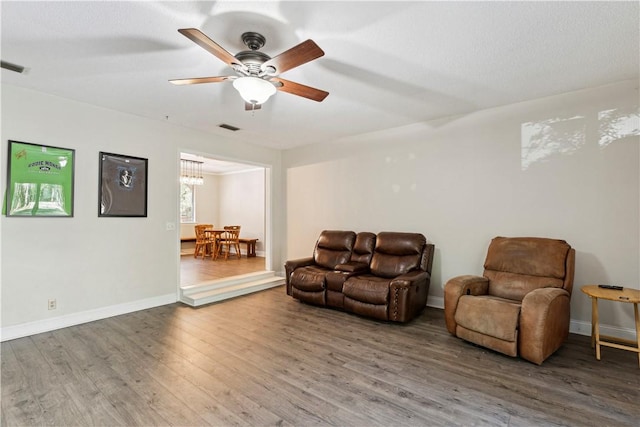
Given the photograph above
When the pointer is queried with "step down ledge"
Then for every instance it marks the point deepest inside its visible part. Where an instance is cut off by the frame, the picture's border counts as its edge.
(227, 281)
(220, 294)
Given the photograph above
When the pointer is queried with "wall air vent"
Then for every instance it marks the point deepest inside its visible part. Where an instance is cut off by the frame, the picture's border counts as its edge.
(228, 127)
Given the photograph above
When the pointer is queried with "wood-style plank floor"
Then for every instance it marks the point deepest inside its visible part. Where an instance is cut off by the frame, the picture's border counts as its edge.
(198, 270)
(266, 359)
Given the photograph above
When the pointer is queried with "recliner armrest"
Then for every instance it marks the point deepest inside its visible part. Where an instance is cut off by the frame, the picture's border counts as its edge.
(410, 278)
(353, 267)
(469, 285)
(291, 265)
(408, 295)
(454, 289)
(544, 322)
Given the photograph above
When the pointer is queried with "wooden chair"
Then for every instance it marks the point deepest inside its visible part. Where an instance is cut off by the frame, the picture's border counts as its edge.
(229, 239)
(203, 242)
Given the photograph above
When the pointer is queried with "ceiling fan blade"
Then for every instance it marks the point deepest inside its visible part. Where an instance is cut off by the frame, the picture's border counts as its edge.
(250, 107)
(199, 38)
(300, 89)
(297, 55)
(199, 80)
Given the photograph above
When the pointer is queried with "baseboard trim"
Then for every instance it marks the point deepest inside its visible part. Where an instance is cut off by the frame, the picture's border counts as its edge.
(435, 302)
(18, 331)
(25, 329)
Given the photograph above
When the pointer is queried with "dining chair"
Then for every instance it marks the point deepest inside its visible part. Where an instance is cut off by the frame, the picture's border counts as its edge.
(229, 239)
(203, 242)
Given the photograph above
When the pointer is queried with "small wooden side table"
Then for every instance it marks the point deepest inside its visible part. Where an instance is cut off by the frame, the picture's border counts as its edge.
(251, 246)
(625, 295)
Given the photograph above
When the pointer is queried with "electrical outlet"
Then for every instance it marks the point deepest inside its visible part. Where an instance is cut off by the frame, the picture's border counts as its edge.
(52, 304)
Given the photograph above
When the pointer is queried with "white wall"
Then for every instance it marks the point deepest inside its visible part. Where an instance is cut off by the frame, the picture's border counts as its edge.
(100, 266)
(207, 201)
(242, 201)
(236, 198)
(207, 211)
(465, 180)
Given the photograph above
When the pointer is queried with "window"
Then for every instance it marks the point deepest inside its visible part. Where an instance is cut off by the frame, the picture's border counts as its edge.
(187, 203)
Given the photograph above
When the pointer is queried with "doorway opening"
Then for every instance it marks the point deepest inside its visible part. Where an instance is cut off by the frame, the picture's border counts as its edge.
(229, 193)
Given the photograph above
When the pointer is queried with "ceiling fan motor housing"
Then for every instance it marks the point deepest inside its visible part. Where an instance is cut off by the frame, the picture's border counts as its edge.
(253, 60)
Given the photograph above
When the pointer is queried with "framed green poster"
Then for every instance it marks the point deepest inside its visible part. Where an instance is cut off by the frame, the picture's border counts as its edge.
(39, 180)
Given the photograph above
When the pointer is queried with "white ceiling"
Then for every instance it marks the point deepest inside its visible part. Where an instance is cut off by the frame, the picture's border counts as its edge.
(386, 64)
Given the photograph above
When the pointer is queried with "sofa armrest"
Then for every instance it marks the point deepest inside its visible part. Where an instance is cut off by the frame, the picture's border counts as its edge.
(454, 289)
(544, 323)
(410, 278)
(408, 295)
(291, 265)
(353, 267)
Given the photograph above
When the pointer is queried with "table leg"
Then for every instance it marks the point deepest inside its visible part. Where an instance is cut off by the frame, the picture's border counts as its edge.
(635, 310)
(595, 325)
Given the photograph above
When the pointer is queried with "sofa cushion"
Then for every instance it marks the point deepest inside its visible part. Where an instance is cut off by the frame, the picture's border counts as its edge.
(516, 286)
(317, 298)
(375, 311)
(517, 265)
(397, 253)
(367, 288)
(496, 317)
(363, 247)
(333, 247)
(310, 278)
(533, 256)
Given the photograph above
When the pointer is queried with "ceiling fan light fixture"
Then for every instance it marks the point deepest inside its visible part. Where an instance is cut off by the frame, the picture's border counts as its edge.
(254, 90)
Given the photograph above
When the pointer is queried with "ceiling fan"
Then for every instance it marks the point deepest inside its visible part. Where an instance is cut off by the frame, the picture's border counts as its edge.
(257, 72)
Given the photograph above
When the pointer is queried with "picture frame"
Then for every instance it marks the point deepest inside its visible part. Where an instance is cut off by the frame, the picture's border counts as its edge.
(122, 186)
(40, 180)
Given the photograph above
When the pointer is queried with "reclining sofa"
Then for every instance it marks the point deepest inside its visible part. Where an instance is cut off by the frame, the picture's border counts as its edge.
(384, 276)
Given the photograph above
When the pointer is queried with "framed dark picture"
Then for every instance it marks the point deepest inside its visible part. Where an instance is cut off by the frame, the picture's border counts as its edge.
(123, 185)
(39, 180)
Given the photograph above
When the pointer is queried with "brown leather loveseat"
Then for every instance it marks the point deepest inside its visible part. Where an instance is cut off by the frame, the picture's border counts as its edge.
(384, 276)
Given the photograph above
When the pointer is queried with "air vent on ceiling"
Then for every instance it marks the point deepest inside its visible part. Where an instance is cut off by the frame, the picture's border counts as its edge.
(228, 127)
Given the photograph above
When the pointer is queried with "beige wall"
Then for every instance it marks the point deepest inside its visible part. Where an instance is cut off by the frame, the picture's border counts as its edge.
(538, 168)
(236, 198)
(459, 181)
(242, 202)
(97, 267)
(207, 203)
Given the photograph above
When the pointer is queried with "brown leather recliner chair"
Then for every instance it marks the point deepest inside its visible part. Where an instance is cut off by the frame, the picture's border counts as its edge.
(306, 277)
(521, 304)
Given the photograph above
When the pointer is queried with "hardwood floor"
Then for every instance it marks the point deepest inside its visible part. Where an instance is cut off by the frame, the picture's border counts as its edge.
(197, 270)
(266, 359)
